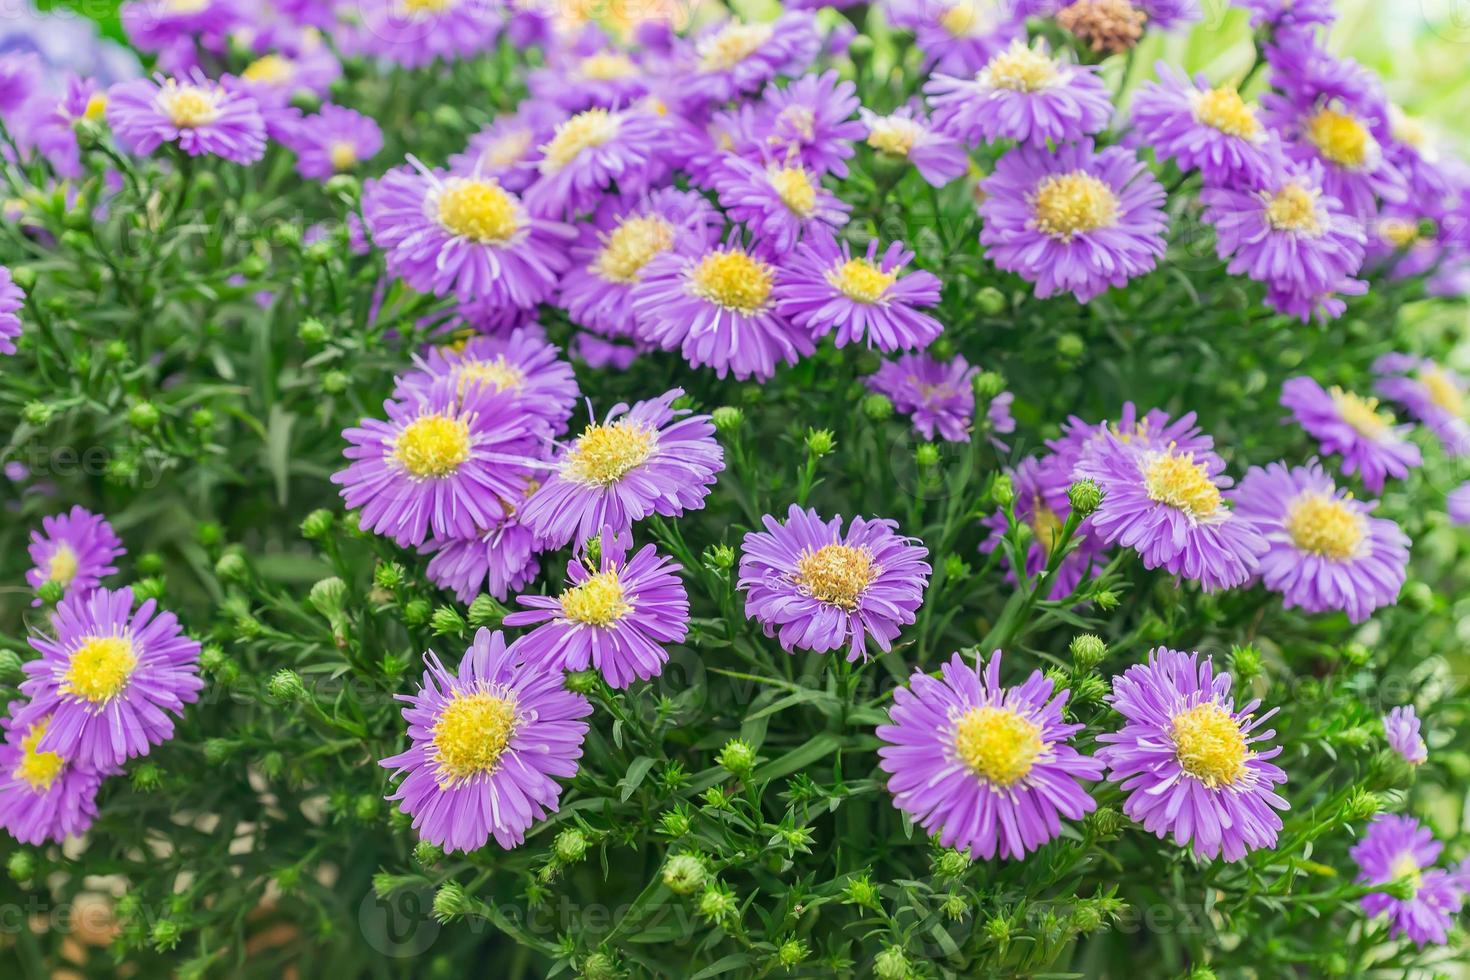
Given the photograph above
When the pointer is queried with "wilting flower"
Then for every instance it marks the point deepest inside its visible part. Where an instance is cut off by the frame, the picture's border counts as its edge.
(590, 153)
(905, 134)
(1072, 220)
(110, 677)
(1366, 437)
(74, 550)
(986, 767)
(12, 298)
(201, 116)
(1200, 127)
(1401, 728)
(938, 394)
(487, 743)
(333, 141)
(648, 459)
(43, 796)
(781, 203)
(1186, 757)
(1397, 848)
(616, 615)
(809, 122)
(734, 57)
(1434, 395)
(821, 589)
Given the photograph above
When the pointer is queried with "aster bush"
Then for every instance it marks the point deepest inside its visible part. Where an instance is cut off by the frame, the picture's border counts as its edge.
(927, 488)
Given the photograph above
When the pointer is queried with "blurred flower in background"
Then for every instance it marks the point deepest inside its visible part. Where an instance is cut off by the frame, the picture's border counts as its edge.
(65, 41)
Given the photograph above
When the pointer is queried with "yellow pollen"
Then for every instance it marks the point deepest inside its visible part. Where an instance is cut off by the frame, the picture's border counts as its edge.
(1325, 526)
(796, 190)
(583, 131)
(1294, 208)
(478, 210)
(1070, 204)
(861, 280)
(1183, 484)
(343, 155)
(965, 19)
(472, 733)
(1046, 525)
(189, 106)
(734, 280)
(1398, 232)
(1407, 129)
(604, 454)
(498, 373)
(1341, 138)
(731, 45)
(507, 150)
(1020, 69)
(62, 566)
(800, 120)
(1223, 109)
(997, 744)
(96, 107)
(38, 769)
(1405, 868)
(631, 246)
(419, 8)
(836, 574)
(1210, 745)
(432, 446)
(1443, 391)
(894, 136)
(1363, 414)
(596, 601)
(606, 66)
(186, 6)
(99, 669)
(270, 70)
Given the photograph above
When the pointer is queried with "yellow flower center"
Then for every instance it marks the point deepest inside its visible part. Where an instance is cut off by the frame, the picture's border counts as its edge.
(1021, 69)
(1405, 868)
(583, 131)
(800, 120)
(631, 246)
(796, 190)
(1046, 525)
(96, 107)
(343, 154)
(61, 567)
(997, 744)
(604, 454)
(508, 149)
(836, 574)
(731, 45)
(189, 106)
(1341, 138)
(1210, 745)
(1294, 208)
(861, 280)
(596, 601)
(1325, 526)
(422, 8)
(894, 136)
(606, 66)
(1361, 413)
(479, 210)
(1407, 129)
(1398, 232)
(1074, 203)
(472, 733)
(1223, 109)
(186, 6)
(965, 19)
(38, 769)
(270, 70)
(1443, 391)
(432, 446)
(1181, 483)
(99, 669)
(498, 373)
(733, 280)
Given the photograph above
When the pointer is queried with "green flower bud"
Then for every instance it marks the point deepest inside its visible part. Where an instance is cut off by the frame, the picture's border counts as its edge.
(792, 952)
(10, 666)
(22, 866)
(317, 525)
(312, 332)
(719, 557)
(148, 588)
(583, 681)
(956, 569)
(335, 382)
(1002, 491)
(1084, 496)
(1089, 689)
(674, 823)
(820, 442)
(218, 750)
(1245, 662)
(209, 534)
(50, 592)
(1200, 972)
(150, 563)
(891, 964)
(1356, 737)
(878, 407)
(717, 903)
(143, 416)
(287, 879)
(1360, 805)
(727, 419)
(570, 846)
(1357, 654)
(116, 351)
(990, 301)
(1086, 918)
(37, 414)
(165, 935)
(451, 902)
(427, 853)
(272, 764)
(201, 420)
(601, 966)
(286, 686)
(1087, 651)
(389, 575)
(416, 612)
(1106, 600)
(987, 385)
(344, 185)
(327, 596)
(859, 890)
(684, 873)
(447, 621)
(1417, 596)
(1070, 347)
(738, 756)
(231, 567)
(926, 455)
(943, 348)
(1104, 823)
(24, 276)
(365, 807)
(950, 863)
(486, 611)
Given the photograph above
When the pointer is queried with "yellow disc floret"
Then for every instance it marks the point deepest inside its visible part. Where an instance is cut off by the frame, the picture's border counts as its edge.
(506, 150)
(1223, 109)
(598, 600)
(795, 188)
(1294, 208)
(1181, 483)
(1443, 391)
(1363, 414)
(471, 735)
(432, 446)
(479, 210)
(733, 280)
(894, 135)
(343, 154)
(38, 769)
(61, 567)
(1020, 68)
(1342, 138)
(1326, 526)
(604, 454)
(731, 45)
(273, 69)
(583, 131)
(189, 106)
(1046, 525)
(1072, 204)
(837, 574)
(99, 668)
(966, 19)
(861, 280)
(425, 8)
(997, 744)
(632, 245)
(497, 372)
(1210, 745)
(606, 66)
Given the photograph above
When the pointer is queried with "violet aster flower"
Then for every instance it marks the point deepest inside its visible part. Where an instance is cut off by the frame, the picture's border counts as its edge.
(335, 140)
(587, 74)
(904, 134)
(781, 203)
(275, 78)
(415, 33)
(1042, 504)
(1166, 504)
(986, 767)
(1155, 429)
(1323, 551)
(110, 677)
(1023, 94)
(810, 122)
(938, 394)
(487, 743)
(1289, 15)
(153, 26)
(1366, 437)
(1432, 394)
(1186, 757)
(1073, 220)
(43, 796)
(1401, 728)
(590, 153)
(824, 288)
(12, 299)
(201, 116)
(1397, 848)
(735, 57)
(616, 617)
(717, 305)
(51, 124)
(609, 258)
(20, 73)
(819, 588)
(464, 236)
(509, 148)
(443, 462)
(1200, 127)
(499, 561)
(1166, 15)
(648, 459)
(958, 37)
(74, 550)
(1457, 504)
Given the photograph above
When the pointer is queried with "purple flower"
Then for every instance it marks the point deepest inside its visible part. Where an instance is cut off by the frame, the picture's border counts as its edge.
(201, 116)
(486, 745)
(1023, 94)
(1323, 551)
(1200, 127)
(588, 75)
(617, 617)
(1457, 504)
(74, 550)
(1042, 504)
(717, 305)
(110, 678)
(1185, 757)
(43, 796)
(781, 203)
(417, 33)
(1353, 426)
(334, 141)
(638, 461)
(509, 148)
(1166, 15)
(590, 153)
(823, 288)
(810, 123)
(906, 135)
(442, 463)
(20, 73)
(938, 394)
(1289, 15)
(274, 79)
(154, 26)
(50, 125)
(499, 561)
(1073, 220)
(464, 236)
(1166, 504)
(821, 589)
(1432, 394)
(1397, 848)
(1401, 728)
(735, 57)
(958, 37)
(987, 767)
(12, 299)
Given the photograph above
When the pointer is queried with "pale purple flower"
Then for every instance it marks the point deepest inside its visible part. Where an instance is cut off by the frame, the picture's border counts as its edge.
(1434, 395)
(938, 394)
(75, 549)
(1201, 127)
(781, 203)
(592, 152)
(906, 135)
(1369, 441)
(200, 115)
(1401, 729)
(810, 122)
(12, 300)
(335, 140)
(44, 797)
(1396, 848)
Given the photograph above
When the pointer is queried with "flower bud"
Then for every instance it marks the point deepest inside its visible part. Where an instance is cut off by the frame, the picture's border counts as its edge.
(601, 966)
(451, 902)
(570, 846)
(416, 612)
(9, 666)
(1106, 600)
(389, 575)
(218, 750)
(861, 891)
(738, 756)
(891, 964)
(727, 419)
(312, 332)
(1357, 654)
(684, 873)
(820, 442)
(24, 276)
(719, 557)
(50, 592)
(583, 681)
(791, 952)
(987, 385)
(950, 863)
(327, 596)
(427, 853)
(165, 935)
(317, 525)
(926, 455)
(1359, 806)
(1084, 496)
(286, 686)
(231, 567)
(37, 414)
(1070, 347)
(956, 569)
(1087, 651)
(335, 382)
(717, 903)
(148, 588)
(1245, 662)
(486, 611)
(990, 301)
(143, 416)
(22, 865)
(1002, 491)
(1418, 597)
(878, 407)
(1104, 823)
(674, 823)
(447, 621)
(150, 563)
(209, 534)
(344, 185)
